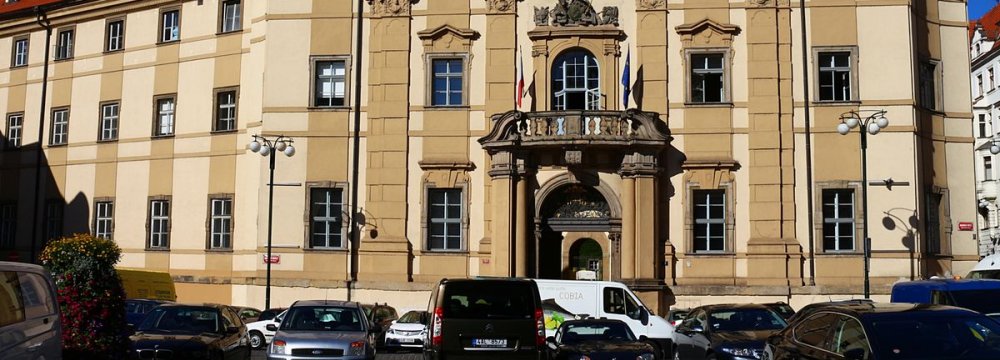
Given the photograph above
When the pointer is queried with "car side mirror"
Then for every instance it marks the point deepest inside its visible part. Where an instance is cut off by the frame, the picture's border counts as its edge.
(551, 342)
(644, 316)
(854, 354)
(271, 327)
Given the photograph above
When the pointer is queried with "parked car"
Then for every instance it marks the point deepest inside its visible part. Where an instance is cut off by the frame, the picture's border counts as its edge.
(259, 335)
(323, 329)
(29, 314)
(188, 331)
(491, 318)
(978, 294)
(987, 268)
(782, 309)
(811, 308)
(597, 339)
(675, 316)
(408, 331)
(382, 315)
(270, 313)
(728, 331)
(248, 314)
(136, 310)
(887, 331)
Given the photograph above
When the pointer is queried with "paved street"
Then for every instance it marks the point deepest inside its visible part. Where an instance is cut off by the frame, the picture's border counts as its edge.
(259, 355)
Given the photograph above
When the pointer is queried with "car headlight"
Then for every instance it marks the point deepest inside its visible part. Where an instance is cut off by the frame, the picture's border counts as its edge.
(278, 347)
(646, 357)
(391, 331)
(739, 351)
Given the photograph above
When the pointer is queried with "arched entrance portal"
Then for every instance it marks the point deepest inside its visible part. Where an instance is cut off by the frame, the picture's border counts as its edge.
(574, 218)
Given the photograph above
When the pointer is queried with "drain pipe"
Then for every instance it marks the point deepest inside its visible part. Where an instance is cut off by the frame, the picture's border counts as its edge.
(355, 159)
(808, 118)
(43, 20)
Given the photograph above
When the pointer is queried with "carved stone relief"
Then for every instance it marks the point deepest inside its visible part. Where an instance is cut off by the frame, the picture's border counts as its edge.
(651, 4)
(391, 7)
(500, 6)
(575, 13)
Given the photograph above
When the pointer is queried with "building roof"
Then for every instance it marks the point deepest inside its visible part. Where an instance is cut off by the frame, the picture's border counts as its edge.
(990, 23)
(26, 8)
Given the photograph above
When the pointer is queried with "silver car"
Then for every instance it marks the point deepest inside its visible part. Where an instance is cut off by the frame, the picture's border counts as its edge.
(323, 329)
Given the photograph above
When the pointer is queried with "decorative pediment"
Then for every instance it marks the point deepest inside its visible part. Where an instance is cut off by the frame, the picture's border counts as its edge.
(575, 13)
(445, 37)
(707, 32)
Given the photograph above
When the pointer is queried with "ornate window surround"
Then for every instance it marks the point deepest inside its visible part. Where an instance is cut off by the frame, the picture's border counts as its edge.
(450, 175)
(444, 42)
(700, 175)
(708, 36)
(859, 226)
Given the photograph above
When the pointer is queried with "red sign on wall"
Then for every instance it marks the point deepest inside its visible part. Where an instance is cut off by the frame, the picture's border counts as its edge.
(275, 259)
(965, 226)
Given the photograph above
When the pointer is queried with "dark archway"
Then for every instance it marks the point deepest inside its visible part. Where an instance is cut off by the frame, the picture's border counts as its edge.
(571, 207)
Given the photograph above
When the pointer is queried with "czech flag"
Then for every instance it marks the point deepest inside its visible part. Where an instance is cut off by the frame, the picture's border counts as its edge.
(520, 81)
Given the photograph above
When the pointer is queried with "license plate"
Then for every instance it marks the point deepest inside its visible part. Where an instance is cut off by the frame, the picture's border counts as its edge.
(407, 340)
(490, 343)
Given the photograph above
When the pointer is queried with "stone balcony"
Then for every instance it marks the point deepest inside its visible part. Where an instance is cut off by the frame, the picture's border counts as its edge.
(576, 129)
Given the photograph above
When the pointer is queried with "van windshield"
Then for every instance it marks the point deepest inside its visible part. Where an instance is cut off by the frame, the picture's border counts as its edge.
(985, 274)
(982, 301)
(493, 300)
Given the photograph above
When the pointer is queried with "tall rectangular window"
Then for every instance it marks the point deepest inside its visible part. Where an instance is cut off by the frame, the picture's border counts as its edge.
(164, 117)
(64, 45)
(707, 78)
(170, 25)
(231, 10)
(225, 110)
(221, 224)
(933, 223)
(835, 76)
(159, 224)
(992, 82)
(982, 126)
(709, 221)
(104, 214)
(979, 84)
(8, 225)
(838, 220)
(19, 54)
(928, 78)
(446, 85)
(115, 36)
(444, 228)
(15, 125)
(327, 221)
(109, 122)
(60, 127)
(987, 168)
(330, 83)
(54, 219)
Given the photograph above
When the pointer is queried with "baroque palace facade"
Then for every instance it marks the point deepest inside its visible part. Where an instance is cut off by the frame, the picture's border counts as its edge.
(718, 174)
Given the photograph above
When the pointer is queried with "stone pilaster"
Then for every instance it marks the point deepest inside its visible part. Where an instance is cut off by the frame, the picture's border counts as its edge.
(650, 89)
(503, 174)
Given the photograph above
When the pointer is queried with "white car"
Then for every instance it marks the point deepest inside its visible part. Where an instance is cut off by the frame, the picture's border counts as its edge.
(408, 331)
(260, 336)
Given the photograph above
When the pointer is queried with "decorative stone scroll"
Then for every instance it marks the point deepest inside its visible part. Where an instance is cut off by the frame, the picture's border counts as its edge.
(575, 13)
(500, 6)
(391, 7)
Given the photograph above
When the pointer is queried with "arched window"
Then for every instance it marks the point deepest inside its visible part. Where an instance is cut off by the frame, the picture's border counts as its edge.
(576, 83)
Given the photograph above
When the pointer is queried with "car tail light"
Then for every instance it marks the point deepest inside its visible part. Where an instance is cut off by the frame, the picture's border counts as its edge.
(357, 348)
(540, 327)
(436, 326)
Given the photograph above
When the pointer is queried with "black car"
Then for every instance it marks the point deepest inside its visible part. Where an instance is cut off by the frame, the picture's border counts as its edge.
(874, 331)
(136, 310)
(180, 331)
(728, 331)
(597, 339)
(811, 308)
(488, 318)
(270, 313)
(782, 309)
(382, 316)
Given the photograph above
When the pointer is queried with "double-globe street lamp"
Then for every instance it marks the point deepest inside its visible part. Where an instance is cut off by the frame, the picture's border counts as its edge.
(872, 124)
(270, 148)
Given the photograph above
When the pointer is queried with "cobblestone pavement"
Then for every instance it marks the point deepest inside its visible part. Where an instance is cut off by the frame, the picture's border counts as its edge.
(259, 355)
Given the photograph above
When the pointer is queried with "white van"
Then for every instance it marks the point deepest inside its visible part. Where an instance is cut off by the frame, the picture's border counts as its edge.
(987, 268)
(29, 314)
(566, 299)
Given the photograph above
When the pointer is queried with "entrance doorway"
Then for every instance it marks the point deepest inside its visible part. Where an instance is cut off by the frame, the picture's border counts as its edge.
(567, 212)
(586, 255)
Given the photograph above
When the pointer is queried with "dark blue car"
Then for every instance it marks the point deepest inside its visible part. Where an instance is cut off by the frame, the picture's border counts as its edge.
(978, 295)
(136, 310)
(726, 332)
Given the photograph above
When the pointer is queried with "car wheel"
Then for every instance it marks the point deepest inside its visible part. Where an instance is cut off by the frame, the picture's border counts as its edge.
(657, 352)
(256, 340)
(710, 357)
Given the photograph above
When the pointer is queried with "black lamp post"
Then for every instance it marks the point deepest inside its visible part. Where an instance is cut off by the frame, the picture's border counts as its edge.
(869, 125)
(270, 148)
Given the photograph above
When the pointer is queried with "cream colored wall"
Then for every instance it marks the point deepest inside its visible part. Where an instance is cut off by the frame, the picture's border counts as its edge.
(884, 56)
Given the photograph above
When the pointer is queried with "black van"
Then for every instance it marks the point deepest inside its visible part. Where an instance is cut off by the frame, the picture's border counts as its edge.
(485, 318)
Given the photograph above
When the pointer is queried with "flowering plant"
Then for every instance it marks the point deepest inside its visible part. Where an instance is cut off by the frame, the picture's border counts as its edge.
(90, 294)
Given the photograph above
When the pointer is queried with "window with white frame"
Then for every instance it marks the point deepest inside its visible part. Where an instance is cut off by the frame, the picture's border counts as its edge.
(576, 81)
(104, 214)
(19, 56)
(115, 36)
(8, 225)
(109, 122)
(54, 219)
(15, 126)
(992, 83)
(231, 16)
(928, 81)
(164, 117)
(159, 224)
(221, 231)
(447, 80)
(835, 76)
(987, 168)
(708, 72)
(170, 25)
(330, 82)
(982, 126)
(60, 127)
(979, 84)
(225, 110)
(444, 220)
(64, 44)
(326, 213)
(709, 217)
(838, 220)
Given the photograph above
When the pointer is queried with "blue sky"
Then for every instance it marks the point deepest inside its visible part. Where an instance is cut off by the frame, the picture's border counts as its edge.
(979, 7)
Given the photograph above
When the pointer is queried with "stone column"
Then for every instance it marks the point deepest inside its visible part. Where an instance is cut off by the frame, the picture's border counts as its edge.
(502, 172)
(641, 168)
(628, 238)
(521, 232)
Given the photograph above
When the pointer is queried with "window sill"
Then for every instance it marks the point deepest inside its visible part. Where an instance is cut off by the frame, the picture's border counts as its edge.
(168, 42)
(19, 66)
(108, 52)
(104, 141)
(836, 103)
(161, 137)
(57, 145)
(710, 254)
(62, 59)
(839, 253)
(329, 108)
(158, 249)
(231, 32)
(446, 108)
(708, 105)
(220, 132)
(328, 250)
(443, 252)
(217, 251)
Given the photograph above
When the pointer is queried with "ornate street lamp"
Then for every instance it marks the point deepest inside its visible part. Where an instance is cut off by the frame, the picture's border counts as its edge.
(270, 148)
(872, 124)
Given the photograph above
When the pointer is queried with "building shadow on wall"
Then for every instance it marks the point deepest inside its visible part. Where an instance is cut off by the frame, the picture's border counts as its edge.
(906, 222)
